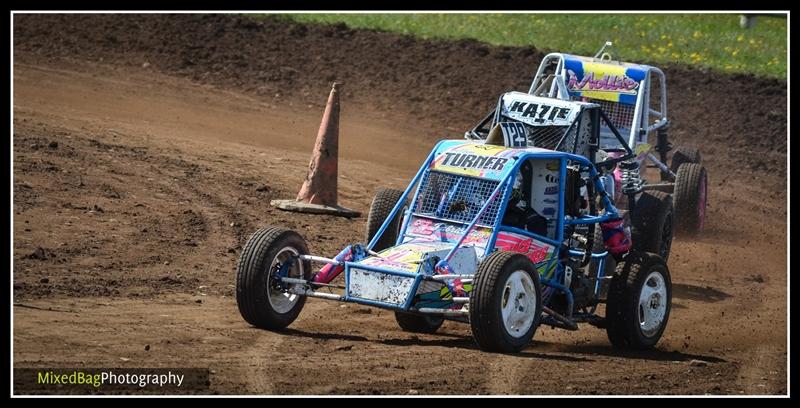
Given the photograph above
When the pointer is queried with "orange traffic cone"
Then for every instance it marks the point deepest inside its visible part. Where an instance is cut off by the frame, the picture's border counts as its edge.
(319, 195)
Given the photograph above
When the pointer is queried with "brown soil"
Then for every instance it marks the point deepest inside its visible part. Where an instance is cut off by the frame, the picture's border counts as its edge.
(147, 148)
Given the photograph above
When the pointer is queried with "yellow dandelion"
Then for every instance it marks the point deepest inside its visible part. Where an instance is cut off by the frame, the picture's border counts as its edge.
(740, 38)
(735, 52)
(697, 34)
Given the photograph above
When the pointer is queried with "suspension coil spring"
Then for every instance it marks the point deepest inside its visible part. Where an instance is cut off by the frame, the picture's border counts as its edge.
(631, 182)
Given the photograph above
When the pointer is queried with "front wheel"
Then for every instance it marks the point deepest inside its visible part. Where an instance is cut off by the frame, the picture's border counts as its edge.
(263, 299)
(505, 304)
(639, 301)
(381, 208)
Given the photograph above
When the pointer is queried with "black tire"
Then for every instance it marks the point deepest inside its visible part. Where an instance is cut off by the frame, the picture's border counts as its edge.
(691, 198)
(382, 205)
(684, 155)
(418, 323)
(653, 223)
(487, 297)
(623, 310)
(253, 281)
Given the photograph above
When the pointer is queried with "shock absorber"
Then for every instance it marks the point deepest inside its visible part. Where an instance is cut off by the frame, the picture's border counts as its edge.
(662, 147)
(630, 180)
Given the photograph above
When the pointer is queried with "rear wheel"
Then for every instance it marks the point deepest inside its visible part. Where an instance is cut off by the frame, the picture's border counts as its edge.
(506, 303)
(639, 301)
(691, 192)
(382, 205)
(652, 223)
(262, 299)
(684, 155)
(418, 323)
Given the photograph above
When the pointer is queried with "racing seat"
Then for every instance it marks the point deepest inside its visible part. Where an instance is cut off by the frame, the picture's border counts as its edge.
(519, 213)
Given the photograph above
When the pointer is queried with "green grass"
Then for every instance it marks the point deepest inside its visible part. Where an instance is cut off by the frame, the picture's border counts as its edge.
(711, 40)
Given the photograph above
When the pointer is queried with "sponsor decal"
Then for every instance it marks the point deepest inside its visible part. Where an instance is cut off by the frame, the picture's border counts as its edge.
(550, 201)
(448, 232)
(551, 178)
(641, 151)
(539, 112)
(484, 147)
(552, 190)
(552, 166)
(602, 83)
(531, 248)
(474, 161)
(456, 286)
(514, 134)
(549, 211)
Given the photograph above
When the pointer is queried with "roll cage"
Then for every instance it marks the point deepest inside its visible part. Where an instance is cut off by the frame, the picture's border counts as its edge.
(502, 192)
(585, 131)
(640, 116)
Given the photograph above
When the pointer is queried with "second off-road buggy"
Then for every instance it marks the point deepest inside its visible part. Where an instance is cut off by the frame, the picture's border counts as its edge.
(633, 98)
(494, 233)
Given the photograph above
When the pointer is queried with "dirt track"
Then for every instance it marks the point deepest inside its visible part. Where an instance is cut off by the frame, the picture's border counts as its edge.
(159, 175)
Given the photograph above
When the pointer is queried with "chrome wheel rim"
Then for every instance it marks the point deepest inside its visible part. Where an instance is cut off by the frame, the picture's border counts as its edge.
(281, 301)
(652, 304)
(518, 303)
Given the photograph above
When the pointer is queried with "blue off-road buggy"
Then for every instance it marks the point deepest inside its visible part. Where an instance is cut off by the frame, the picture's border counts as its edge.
(504, 233)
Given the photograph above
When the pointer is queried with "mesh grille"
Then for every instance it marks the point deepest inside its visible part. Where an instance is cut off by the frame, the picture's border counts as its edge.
(457, 198)
(546, 137)
(560, 138)
(552, 138)
(620, 114)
